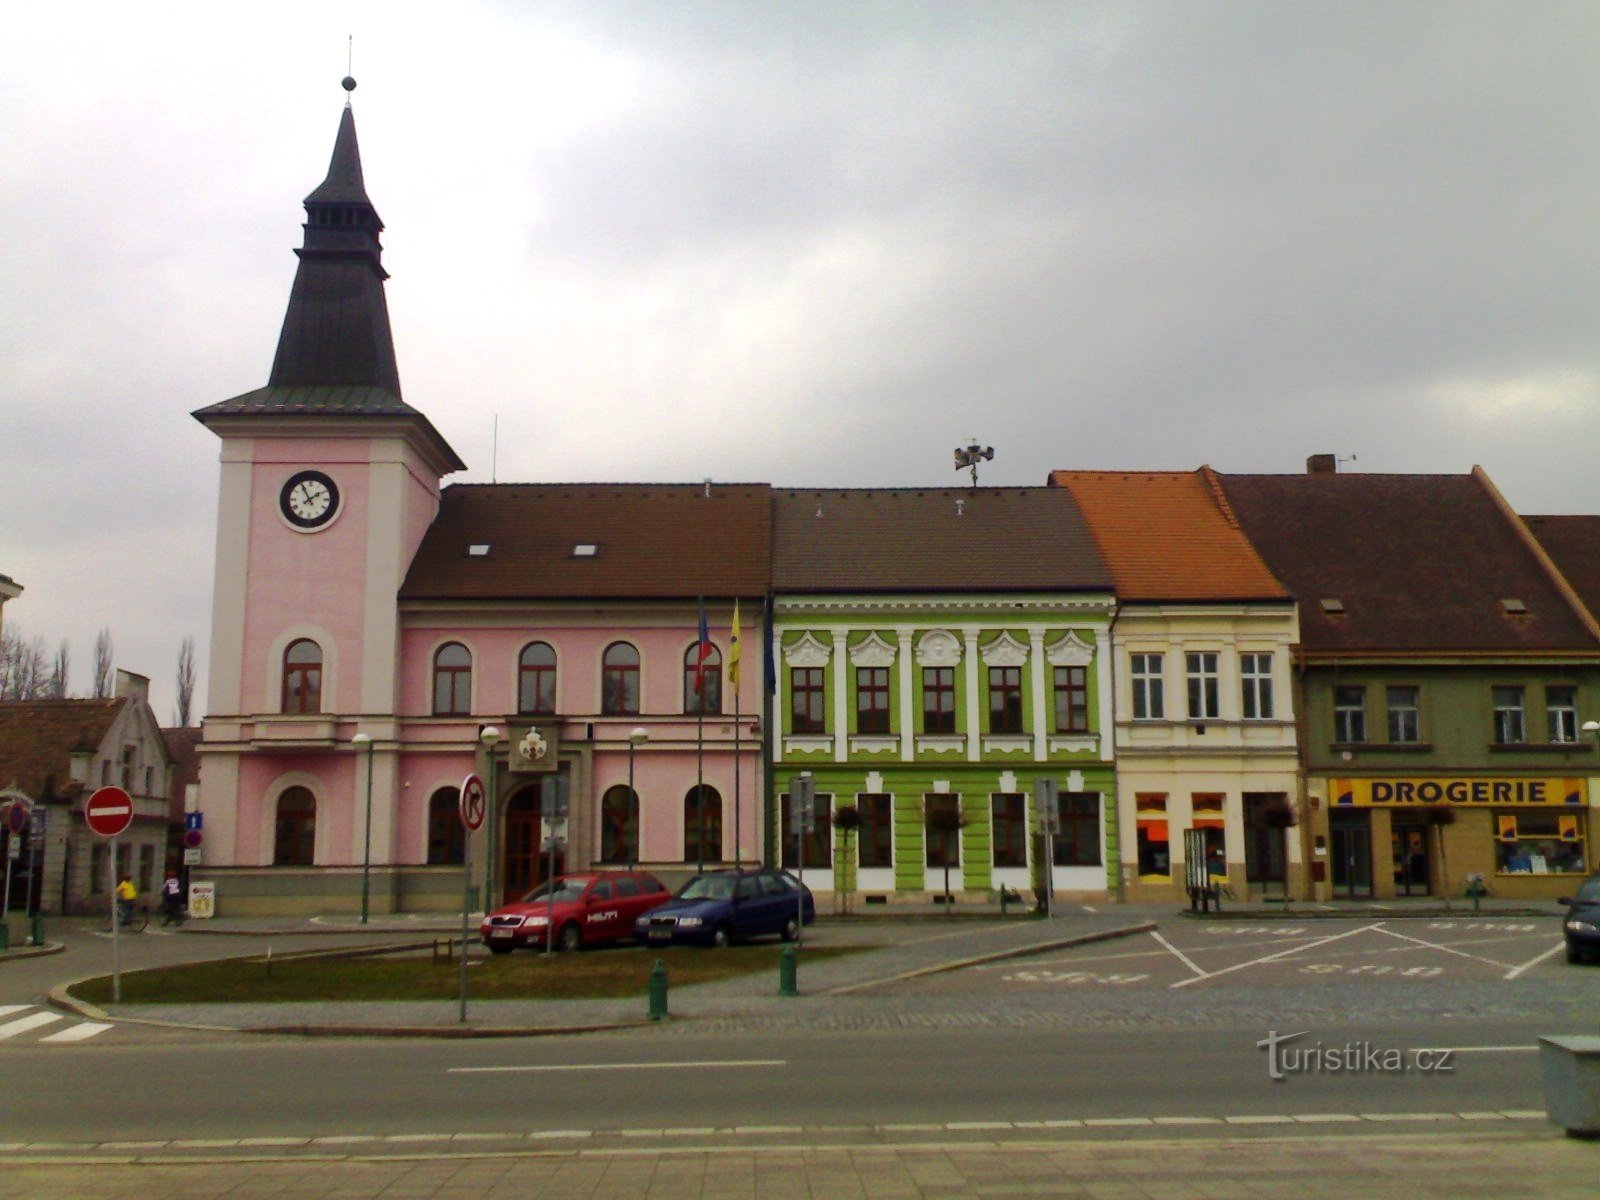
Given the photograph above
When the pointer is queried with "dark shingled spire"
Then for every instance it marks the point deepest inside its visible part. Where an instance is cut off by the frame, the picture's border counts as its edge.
(336, 353)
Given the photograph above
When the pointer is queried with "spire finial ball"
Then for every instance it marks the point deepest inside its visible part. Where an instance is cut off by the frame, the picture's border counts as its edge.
(348, 83)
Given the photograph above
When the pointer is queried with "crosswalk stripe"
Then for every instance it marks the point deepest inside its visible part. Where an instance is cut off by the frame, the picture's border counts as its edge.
(7, 1009)
(23, 1024)
(80, 1031)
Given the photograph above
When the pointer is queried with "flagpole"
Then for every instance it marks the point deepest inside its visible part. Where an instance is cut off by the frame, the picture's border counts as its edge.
(737, 653)
(700, 748)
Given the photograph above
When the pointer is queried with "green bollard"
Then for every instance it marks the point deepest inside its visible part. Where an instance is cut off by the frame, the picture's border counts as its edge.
(5, 934)
(38, 929)
(658, 991)
(788, 968)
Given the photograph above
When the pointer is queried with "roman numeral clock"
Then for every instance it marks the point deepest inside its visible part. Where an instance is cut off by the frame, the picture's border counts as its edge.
(309, 500)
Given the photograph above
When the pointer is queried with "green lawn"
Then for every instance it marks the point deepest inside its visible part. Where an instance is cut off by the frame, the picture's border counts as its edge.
(525, 975)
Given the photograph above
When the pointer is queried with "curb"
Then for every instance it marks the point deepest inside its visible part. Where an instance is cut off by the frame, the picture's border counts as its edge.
(1375, 914)
(33, 951)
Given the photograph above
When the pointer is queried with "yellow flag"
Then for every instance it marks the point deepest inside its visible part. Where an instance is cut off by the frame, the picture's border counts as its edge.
(733, 648)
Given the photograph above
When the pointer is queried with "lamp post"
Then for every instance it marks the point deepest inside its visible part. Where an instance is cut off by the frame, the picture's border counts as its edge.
(489, 735)
(637, 736)
(364, 741)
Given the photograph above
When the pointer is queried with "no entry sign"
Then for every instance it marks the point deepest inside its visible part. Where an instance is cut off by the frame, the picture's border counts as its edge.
(474, 803)
(108, 811)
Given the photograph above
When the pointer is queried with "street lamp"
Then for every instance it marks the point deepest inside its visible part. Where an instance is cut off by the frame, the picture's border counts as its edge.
(1592, 728)
(364, 741)
(490, 737)
(638, 736)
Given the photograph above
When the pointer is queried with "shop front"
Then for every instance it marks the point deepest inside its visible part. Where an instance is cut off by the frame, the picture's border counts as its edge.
(1394, 837)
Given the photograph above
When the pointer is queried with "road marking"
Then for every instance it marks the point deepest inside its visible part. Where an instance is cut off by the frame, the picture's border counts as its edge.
(7, 1009)
(711, 1064)
(1181, 956)
(1405, 937)
(1515, 971)
(78, 1033)
(1281, 954)
(23, 1024)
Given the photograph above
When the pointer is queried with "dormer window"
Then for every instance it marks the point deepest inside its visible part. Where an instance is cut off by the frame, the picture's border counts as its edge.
(1514, 607)
(1333, 606)
(478, 550)
(585, 550)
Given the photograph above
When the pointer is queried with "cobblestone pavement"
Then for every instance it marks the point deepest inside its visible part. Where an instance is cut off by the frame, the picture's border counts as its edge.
(1532, 1162)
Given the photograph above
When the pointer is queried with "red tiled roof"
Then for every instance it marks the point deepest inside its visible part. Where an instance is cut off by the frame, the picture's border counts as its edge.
(1169, 536)
(933, 539)
(1419, 563)
(1573, 544)
(37, 738)
(651, 541)
(183, 748)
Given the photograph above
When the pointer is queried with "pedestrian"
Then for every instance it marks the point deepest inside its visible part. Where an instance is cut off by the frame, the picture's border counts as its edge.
(126, 895)
(172, 897)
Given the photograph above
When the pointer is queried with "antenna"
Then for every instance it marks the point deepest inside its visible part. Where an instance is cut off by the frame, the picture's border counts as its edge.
(969, 458)
(494, 452)
(1337, 460)
(348, 83)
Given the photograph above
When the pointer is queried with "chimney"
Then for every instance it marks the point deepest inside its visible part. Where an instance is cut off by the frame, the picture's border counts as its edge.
(1322, 464)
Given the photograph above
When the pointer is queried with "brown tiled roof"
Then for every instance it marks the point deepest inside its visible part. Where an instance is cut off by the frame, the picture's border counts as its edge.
(183, 747)
(933, 539)
(1169, 536)
(1573, 544)
(1419, 562)
(37, 738)
(652, 541)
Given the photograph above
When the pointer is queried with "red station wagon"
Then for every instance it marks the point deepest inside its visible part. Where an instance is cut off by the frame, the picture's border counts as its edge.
(579, 910)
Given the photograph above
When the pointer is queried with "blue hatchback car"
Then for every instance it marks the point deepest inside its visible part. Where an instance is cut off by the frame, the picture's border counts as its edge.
(722, 907)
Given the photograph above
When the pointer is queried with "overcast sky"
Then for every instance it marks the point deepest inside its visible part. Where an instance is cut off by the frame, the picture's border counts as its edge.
(804, 243)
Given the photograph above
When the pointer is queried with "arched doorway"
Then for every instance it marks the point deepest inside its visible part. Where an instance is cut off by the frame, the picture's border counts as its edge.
(534, 849)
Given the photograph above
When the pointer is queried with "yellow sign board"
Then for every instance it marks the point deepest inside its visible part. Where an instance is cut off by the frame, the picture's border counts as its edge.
(1524, 791)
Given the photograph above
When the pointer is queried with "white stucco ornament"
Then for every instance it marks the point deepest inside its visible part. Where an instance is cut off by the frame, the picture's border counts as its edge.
(807, 652)
(533, 747)
(1070, 651)
(938, 648)
(1005, 651)
(873, 651)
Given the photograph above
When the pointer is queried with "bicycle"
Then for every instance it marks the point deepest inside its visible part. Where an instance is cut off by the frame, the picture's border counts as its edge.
(137, 921)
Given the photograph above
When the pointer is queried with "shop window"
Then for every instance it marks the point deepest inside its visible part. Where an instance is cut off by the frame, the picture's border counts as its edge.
(1008, 813)
(818, 843)
(619, 680)
(1255, 678)
(1404, 716)
(1154, 842)
(1561, 713)
(872, 699)
(1005, 699)
(1207, 817)
(943, 832)
(1149, 694)
(702, 680)
(1071, 696)
(1510, 727)
(452, 681)
(302, 677)
(446, 833)
(1349, 714)
(1204, 694)
(295, 830)
(619, 825)
(536, 680)
(1540, 843)
(875, 837)
(1078, 843)
(938, 699)
(807, 708)
(702, 825)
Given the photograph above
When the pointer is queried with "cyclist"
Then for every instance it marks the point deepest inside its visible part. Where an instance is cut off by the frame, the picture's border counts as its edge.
(172, 899)
(126, 895)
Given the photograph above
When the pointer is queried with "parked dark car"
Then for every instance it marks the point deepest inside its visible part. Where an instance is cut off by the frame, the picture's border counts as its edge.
(721, 907)
(1581, 925)
(575, 911)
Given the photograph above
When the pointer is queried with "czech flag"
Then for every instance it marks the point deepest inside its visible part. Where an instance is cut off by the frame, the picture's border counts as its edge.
(703, 653)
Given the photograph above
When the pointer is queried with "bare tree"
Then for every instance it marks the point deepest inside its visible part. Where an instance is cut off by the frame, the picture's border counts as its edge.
(61, 672)
(102, 665)
(24, 667)
(185, 680)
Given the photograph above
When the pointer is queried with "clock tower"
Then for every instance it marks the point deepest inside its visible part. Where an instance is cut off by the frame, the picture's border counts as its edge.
(329, 480)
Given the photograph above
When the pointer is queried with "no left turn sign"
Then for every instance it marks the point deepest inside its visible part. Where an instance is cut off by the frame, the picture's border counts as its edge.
(474, 803)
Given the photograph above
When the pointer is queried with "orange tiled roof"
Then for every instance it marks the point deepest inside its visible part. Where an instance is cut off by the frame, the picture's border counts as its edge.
(1169, 536)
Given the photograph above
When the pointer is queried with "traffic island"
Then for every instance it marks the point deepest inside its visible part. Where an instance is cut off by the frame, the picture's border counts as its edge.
(1570, 1067)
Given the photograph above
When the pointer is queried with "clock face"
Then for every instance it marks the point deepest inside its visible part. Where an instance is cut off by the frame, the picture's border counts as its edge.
(309, 500)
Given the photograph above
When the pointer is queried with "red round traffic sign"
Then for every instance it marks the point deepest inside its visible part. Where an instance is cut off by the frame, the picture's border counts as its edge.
(192, 839)
(474, 803)
(17, 818)
(108, 811)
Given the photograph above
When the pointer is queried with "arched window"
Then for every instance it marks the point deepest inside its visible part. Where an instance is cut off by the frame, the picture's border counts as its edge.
(452, 681)
(295, 838)
(619, 825)
(445, 831)
(707, 674)
(302, 677)
(702, 825)
(536, 680)
(619, 680)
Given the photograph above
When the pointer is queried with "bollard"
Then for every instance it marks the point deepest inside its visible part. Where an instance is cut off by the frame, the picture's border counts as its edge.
(788, 969)
(658, 991)
(5, 934)
(38, 929)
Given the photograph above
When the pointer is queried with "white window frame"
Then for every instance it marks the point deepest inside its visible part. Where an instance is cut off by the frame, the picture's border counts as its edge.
(1403, 719)
(1561, 716)
(1203, 679)
(1510, 720)
(1255, 686)
(1145, 674)
(1350, 720)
